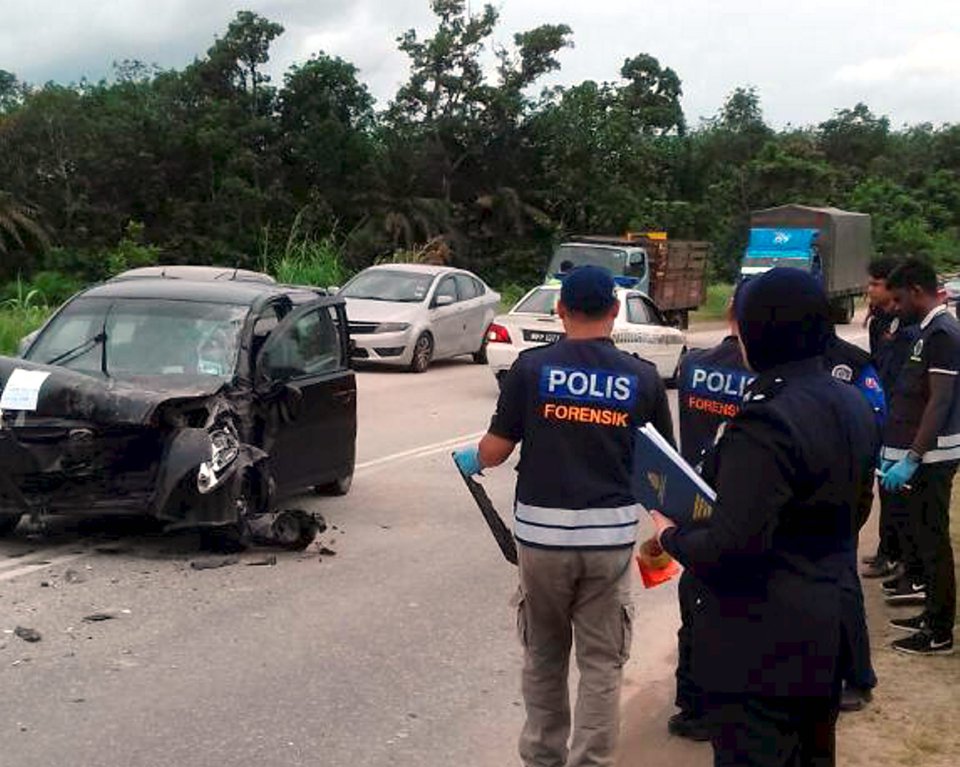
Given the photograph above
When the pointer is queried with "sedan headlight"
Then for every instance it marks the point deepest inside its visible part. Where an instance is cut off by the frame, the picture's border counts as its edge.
(392, 327)
(224, 449)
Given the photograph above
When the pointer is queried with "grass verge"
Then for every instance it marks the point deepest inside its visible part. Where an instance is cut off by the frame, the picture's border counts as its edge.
(715, 307)
(15, 323)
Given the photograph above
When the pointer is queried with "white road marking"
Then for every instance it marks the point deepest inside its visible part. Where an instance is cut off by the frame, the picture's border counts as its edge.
(27, 568)
(423, 451)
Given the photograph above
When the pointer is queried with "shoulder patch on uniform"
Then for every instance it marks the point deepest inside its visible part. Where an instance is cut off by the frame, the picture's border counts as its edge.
(842, 373)
(762, 391)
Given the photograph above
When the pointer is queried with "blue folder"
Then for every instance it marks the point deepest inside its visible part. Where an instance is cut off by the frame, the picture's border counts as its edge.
(662, 480)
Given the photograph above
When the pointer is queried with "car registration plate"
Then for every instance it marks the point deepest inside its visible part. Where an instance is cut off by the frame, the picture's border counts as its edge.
(541, 336)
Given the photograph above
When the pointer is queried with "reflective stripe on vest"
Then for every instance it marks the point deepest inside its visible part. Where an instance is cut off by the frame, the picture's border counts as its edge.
(576, 528)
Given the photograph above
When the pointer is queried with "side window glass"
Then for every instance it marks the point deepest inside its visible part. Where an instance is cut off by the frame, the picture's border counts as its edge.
(656, 318)
(479, 287)
(467, 287)
(310, 346)
(637, 311)
(447, 288)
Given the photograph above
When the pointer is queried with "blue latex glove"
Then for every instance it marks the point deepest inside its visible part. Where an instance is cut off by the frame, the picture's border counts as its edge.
(468, 459)
(884, 465)
(899, 474)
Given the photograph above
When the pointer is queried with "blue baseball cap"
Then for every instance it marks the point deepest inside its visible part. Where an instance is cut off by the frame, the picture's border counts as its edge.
(588, 289)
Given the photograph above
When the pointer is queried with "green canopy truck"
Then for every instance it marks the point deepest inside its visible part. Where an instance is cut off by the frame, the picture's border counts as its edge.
(832, 244)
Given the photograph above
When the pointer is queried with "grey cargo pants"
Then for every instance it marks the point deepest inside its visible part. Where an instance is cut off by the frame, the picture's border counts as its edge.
(579, 597)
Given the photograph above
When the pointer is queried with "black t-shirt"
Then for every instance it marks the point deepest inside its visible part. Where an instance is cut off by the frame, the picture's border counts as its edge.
(890, 344)
(575, 405)
(936, 351)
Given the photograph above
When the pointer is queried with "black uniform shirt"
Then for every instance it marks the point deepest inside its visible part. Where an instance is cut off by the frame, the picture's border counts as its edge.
(936, 350)
(575, 405)
(711, 386)
(890, 344)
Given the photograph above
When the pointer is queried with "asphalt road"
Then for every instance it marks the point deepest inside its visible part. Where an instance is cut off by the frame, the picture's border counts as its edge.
(397, 649)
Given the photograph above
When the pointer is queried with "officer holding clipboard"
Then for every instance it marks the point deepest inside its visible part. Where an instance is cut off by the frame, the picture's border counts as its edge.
(774, 555)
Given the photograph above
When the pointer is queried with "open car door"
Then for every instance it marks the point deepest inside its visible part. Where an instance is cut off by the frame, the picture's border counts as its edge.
(309, 393)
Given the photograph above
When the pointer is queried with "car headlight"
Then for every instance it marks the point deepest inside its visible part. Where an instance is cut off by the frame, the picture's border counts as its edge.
(392, 327)
(224, 449)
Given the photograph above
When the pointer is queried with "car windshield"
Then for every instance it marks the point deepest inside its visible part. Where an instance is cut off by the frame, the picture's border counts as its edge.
(566, 257)
(143, 337)
(540, 301)
(388, 285)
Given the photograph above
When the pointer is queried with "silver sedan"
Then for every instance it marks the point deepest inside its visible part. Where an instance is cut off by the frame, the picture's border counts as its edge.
(411, 314)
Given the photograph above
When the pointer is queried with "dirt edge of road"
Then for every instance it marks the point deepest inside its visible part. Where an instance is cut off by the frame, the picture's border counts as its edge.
(912, 719)
(916, 706)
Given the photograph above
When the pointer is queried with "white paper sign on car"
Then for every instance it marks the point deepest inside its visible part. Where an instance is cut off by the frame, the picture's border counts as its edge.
(23, 389)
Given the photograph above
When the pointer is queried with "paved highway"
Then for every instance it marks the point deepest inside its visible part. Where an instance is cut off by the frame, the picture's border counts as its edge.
(389, 642)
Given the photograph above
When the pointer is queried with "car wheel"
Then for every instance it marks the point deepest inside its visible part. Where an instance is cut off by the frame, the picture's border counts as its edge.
(422, 353)
(480, 356)
(338, 487)
(8, 523)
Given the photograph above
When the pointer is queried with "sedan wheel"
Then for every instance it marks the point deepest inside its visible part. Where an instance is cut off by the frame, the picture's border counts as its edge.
(422, 353)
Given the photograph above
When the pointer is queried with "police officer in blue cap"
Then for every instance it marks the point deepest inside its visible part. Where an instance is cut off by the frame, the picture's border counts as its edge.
(774, 555)
(574, 407)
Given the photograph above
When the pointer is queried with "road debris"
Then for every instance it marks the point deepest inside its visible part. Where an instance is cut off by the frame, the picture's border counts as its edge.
(112, 549)
(269, 561)
(98, 617)
(27, 634)
(213, 564)
(72, 576)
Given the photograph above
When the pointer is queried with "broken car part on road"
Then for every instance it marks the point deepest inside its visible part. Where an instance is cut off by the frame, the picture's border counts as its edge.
(501, 533)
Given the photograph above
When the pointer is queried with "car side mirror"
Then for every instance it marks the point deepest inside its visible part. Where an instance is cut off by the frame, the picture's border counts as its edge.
(333, 290)
(443, 301)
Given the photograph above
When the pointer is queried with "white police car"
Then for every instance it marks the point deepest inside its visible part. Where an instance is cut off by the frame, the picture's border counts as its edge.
(639, 329)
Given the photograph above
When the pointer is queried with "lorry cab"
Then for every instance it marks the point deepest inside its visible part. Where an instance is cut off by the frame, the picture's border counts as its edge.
(796, 248)
(622, 259)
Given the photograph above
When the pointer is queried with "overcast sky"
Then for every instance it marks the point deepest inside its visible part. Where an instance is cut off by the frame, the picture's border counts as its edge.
(806, 57)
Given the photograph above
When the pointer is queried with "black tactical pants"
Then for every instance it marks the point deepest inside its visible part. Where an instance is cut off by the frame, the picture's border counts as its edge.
(774, 732)
(689, 697)
(855, 641)
(926, 541)
(892, 510)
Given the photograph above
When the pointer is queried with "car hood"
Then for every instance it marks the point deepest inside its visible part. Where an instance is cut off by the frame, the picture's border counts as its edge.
(365, 310)
(71, 395)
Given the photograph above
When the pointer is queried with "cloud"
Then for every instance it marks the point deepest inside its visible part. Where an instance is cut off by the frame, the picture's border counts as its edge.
(935, 56)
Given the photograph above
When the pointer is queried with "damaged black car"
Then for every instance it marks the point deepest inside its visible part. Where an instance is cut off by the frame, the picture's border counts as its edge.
(200, 401)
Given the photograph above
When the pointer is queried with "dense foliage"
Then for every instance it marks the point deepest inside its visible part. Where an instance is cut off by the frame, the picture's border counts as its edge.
(216, 164)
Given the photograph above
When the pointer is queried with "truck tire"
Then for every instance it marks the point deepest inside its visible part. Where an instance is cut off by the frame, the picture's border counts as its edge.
(843, 310)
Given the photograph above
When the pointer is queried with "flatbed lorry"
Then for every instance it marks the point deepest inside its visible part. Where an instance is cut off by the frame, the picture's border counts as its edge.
(671, 272)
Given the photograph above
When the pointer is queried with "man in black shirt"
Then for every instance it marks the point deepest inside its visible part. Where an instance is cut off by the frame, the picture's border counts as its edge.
(574, 406)
(710, 389)
(921, 451)
(890, 343)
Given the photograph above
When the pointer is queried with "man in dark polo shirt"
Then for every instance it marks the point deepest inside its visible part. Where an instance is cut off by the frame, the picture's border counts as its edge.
(921, 450)
(574, 405)
(711, 385)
